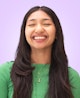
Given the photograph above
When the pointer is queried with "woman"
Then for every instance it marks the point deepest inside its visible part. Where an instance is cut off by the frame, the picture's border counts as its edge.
(40, 69)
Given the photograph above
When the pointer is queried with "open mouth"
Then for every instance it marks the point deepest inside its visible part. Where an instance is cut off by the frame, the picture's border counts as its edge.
(39, 37)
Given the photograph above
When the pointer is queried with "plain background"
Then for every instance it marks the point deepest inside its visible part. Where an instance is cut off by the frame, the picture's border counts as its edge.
(11, 16)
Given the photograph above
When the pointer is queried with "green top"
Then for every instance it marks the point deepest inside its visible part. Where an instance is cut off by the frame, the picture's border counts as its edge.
(40, 81)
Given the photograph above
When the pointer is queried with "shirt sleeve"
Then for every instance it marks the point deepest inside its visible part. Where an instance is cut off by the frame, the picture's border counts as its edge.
(4, 76)
(74, 78)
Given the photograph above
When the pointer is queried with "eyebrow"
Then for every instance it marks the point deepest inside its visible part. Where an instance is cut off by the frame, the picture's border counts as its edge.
(42, 19)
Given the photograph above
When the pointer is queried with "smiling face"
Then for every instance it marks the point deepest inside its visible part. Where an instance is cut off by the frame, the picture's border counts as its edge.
(40, 30)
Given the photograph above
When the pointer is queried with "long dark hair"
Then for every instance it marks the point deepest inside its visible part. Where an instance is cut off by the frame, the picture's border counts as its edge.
(21, 73)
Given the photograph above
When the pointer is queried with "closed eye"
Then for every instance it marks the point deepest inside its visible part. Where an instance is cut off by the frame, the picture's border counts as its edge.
(46, 24)
(31, 25)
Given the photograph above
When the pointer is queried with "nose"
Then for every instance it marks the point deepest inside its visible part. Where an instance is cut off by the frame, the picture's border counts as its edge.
(39, 29)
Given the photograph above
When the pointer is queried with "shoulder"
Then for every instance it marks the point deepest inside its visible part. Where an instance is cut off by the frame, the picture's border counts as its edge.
(5, 69)
(73, 74)
(74, 79)
(6, 66)
(6, 85)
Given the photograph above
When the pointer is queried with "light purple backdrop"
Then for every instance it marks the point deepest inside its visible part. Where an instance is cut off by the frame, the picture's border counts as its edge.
(11, 16)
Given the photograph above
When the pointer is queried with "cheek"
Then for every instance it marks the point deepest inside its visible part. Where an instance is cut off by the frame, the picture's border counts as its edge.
(27, 32)
(27, 36)
(53, 36)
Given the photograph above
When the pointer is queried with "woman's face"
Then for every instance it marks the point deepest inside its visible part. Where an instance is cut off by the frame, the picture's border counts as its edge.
(40, 30)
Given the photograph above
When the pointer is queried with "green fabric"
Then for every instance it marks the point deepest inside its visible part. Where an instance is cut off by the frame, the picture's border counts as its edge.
(39, 87)
(40, 80)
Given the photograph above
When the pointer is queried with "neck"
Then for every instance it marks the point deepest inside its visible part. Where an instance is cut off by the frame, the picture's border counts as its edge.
(41, 56)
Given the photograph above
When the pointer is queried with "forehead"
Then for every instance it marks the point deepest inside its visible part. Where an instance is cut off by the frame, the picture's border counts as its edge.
(39, 15)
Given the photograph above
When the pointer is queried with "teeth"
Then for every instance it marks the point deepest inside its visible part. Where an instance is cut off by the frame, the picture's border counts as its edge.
(39, 37)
